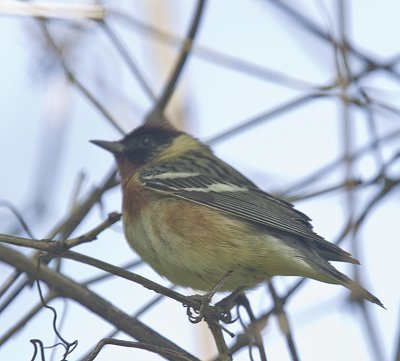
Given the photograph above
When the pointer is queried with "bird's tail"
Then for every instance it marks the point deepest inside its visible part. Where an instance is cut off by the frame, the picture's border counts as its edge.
(359, 291)
(332, 275)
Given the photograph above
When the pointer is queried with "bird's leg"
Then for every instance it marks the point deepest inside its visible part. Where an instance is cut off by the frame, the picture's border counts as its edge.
(225, 306)
(205, 300)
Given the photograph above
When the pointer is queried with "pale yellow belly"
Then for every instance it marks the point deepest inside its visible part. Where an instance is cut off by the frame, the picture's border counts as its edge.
(184, 246)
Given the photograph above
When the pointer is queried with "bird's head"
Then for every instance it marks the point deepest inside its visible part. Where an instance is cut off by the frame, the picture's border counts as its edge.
(148, 144)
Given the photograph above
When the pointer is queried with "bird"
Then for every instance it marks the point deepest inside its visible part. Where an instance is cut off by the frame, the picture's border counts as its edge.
(199, 222)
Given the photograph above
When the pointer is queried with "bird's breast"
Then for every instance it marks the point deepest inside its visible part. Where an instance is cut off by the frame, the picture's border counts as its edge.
(196, 246)
(192, 245)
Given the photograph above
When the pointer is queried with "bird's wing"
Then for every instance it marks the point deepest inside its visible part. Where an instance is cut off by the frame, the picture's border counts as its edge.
(244, 201)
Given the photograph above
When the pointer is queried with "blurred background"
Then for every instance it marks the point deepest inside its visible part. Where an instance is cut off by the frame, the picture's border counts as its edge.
(302, 97)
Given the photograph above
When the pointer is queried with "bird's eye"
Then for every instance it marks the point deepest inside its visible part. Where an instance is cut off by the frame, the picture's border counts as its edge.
(146, 141)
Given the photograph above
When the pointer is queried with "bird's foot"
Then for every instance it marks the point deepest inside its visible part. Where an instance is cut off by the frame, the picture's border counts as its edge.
(225, 306)
(205, 308)
(195, 315)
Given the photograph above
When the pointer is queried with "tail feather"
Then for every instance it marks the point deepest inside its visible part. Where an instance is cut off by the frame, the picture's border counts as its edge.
(318, 256)
(335, 276)
(337, 255)
(359, 291)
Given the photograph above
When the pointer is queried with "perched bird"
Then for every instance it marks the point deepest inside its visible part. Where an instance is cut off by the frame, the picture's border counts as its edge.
(197, 221)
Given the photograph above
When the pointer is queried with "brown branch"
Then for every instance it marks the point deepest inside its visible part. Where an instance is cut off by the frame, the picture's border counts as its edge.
(74, 80)
(8, 283)
(158, 111)
(117, 271)
(283, 322)
(59, 247)
(66, 287)
(356, 183)
(43, 10)
(245, 66)
(133, 67)
(314, 29)
(374, 341)
(254, 330)
(127, 266)
(62, 231)
(216, 330)
(216, 57)
(137, 313)
(69, 224)
(168, 353)
(264, 117)
(243, 339)
(327, 168)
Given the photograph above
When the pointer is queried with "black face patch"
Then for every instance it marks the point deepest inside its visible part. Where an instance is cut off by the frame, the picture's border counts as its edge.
(145, 142)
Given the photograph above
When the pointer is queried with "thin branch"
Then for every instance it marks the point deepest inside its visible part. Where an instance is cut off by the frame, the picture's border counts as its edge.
(370, 328)
(283, 322)
(60, 250)
(327, 168)
(264, 117)
(216, 330)
(7, 301)
(47, 10)
(59, 247)
(372, 128)
(162, 351)
(18, 215)
(153, 286)
(66, 287)
(137, 314)
(8, 283)
(74, 80)
(131, 63)
(62, 231)
(72, 220)
(216, 57)
(313, 28)
(69, 347)
(102, 277)
(243, 339)
(183, 56)
(356, 183)
(253, 330)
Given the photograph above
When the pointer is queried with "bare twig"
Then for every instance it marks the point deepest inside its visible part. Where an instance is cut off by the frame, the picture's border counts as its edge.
(131, 63)
(158, 111)
(217, 332)
(254, 330)
(328, 168)
(66, 287)
(218, 58)
(62, 231)
(18, 215)
(47, 10)
(284, 323)
(264, 117)
(170, 354)
(137, 314)
(59, 247)
(74, 80)
(132, 277)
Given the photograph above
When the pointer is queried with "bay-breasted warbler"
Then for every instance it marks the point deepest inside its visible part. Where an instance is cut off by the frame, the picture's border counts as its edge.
(195, 219)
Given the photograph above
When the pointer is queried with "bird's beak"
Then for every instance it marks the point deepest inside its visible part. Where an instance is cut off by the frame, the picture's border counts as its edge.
(113, 147)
